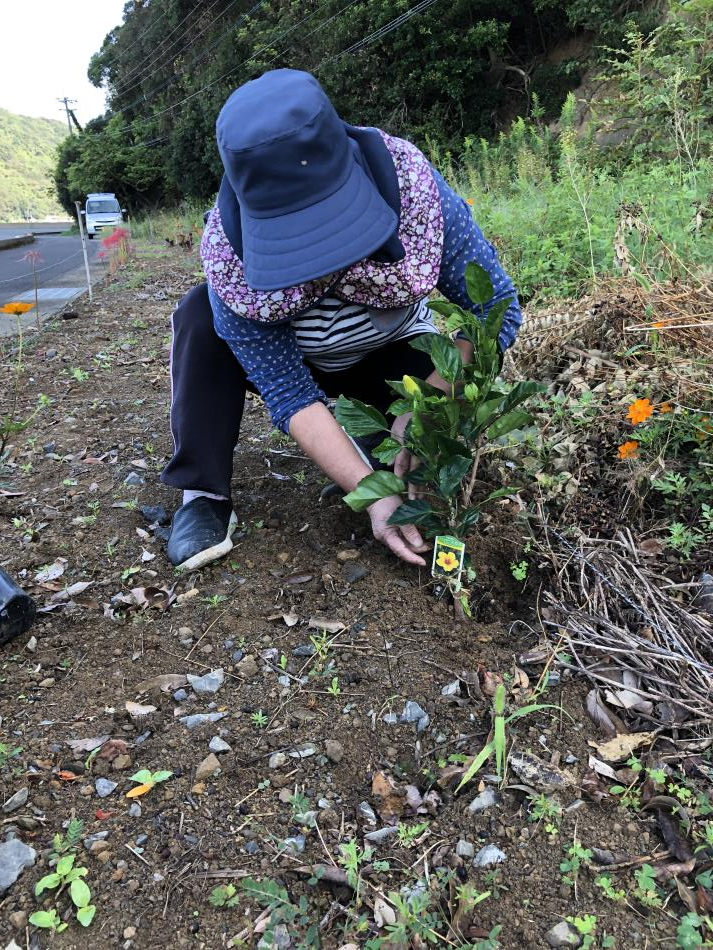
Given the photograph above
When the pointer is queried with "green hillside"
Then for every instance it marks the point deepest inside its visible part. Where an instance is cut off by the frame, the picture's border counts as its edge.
(27, 156)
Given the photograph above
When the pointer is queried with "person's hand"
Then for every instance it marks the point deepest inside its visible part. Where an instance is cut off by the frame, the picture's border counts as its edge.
(404, 461)
(404, 540)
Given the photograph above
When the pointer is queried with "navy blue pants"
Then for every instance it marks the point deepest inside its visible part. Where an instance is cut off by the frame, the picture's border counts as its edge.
(208, 387)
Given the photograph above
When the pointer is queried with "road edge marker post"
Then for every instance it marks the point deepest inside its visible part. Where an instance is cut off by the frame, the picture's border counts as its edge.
(77, 205)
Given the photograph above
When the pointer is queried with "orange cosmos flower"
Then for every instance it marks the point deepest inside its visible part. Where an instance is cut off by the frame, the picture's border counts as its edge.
(665, 407)
(469, 201)
(629, 450)
(16, 308)
(639, 411)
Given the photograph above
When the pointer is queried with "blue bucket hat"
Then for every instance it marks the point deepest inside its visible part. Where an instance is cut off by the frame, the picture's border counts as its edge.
(304, 194)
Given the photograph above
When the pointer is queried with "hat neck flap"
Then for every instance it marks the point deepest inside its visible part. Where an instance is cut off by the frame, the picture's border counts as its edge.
(404, 270)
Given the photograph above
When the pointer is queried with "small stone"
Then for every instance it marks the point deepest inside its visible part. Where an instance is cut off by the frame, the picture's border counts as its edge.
(92, 839)
(334, 750)
(16, 801)
(31, 644)
(129, 933)
(104, 787)
(104, 856)
(303, 751)
(464, 849)
(381, 834)
(15, 856)
(18, 919)
(134, 479)
(277, 760)
(487, 798)
(209, 767)
(135, 810)
(200, 719)
(47, 683)
(121, 762)
(304, 650)
(155, 513)
(415, 713)
(96, 847)
(368, 812)
(489, 856)
(217, 744)
(296, 845)
(353, 572)
(247, 667)
(180, 695)
(348, 554)
(252, 847)
(563, 935)
(207, 684)
(451, 689)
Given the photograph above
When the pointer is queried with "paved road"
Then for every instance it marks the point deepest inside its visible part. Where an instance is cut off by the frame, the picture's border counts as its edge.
(60, 275)
(41, 227)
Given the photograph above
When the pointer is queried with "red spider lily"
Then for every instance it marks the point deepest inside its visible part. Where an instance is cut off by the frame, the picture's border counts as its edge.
(117, 236)
(33, 257)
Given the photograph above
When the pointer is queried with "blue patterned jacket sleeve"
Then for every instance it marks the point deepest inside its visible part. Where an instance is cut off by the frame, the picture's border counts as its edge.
(272, 361)
(463, 241)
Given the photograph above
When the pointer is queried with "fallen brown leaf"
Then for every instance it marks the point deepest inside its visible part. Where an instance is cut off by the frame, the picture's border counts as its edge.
(622, 747)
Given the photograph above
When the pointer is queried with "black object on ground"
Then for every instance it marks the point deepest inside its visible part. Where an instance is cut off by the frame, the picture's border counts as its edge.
(17, 609)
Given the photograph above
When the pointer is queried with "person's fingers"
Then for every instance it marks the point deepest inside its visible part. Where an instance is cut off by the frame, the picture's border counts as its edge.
(394, 541)
(413, 537)
(402, 463)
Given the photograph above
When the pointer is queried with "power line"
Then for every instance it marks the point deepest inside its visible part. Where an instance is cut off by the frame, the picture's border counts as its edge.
(130, 83)
(365, 41)
(225, 75)
(196, 59)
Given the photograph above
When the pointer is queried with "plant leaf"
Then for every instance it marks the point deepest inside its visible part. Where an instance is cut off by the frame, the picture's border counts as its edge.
(477, 763)
(47, 883)
(507, 423)
(140, 790)
(452, 474)
(467, 519)
(359, 419)
(444, 354)
(520, 393)
(417, 511)
(387, 450)
(45, 919)
(64, 865)
(85, 915)
(143, 776)
(80, 893)
(372, 488)
(478, 283)
(161, 776)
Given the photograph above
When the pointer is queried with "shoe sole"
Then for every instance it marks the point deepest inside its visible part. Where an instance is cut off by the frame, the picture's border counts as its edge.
(214, 553)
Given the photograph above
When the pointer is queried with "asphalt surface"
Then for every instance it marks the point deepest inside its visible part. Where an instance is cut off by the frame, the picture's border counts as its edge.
(37, 227)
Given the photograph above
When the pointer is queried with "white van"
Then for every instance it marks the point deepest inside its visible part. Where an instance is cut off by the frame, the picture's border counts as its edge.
(102, 212)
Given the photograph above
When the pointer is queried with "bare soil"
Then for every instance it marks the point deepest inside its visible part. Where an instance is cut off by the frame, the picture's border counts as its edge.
(152, 878)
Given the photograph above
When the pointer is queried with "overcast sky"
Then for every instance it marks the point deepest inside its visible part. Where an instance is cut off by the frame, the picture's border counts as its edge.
(46, 48)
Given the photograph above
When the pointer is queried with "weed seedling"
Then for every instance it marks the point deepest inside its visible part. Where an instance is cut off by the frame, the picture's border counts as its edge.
(519, 570)
(333, 687)
(497, 746)
(7, 753)
(577, 856)
(586, 927)
(80, 375)
(646, 890)
(146, 781)
(259, 719)
(65, 875)
(224, 895)
(605, 884)
(408, 834)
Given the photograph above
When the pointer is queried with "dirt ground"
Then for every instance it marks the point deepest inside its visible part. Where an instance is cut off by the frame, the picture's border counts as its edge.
(305, 748)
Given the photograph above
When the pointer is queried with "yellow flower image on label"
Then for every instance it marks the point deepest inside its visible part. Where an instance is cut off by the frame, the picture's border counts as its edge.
(446, 560)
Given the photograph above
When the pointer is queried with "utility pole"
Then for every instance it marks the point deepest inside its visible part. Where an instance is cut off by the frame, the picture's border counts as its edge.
(66, 102)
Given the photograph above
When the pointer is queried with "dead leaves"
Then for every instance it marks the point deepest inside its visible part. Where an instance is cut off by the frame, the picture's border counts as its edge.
(622, 747)
(140, 599)
(401, 801)
(165, 682)
(534, 771)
